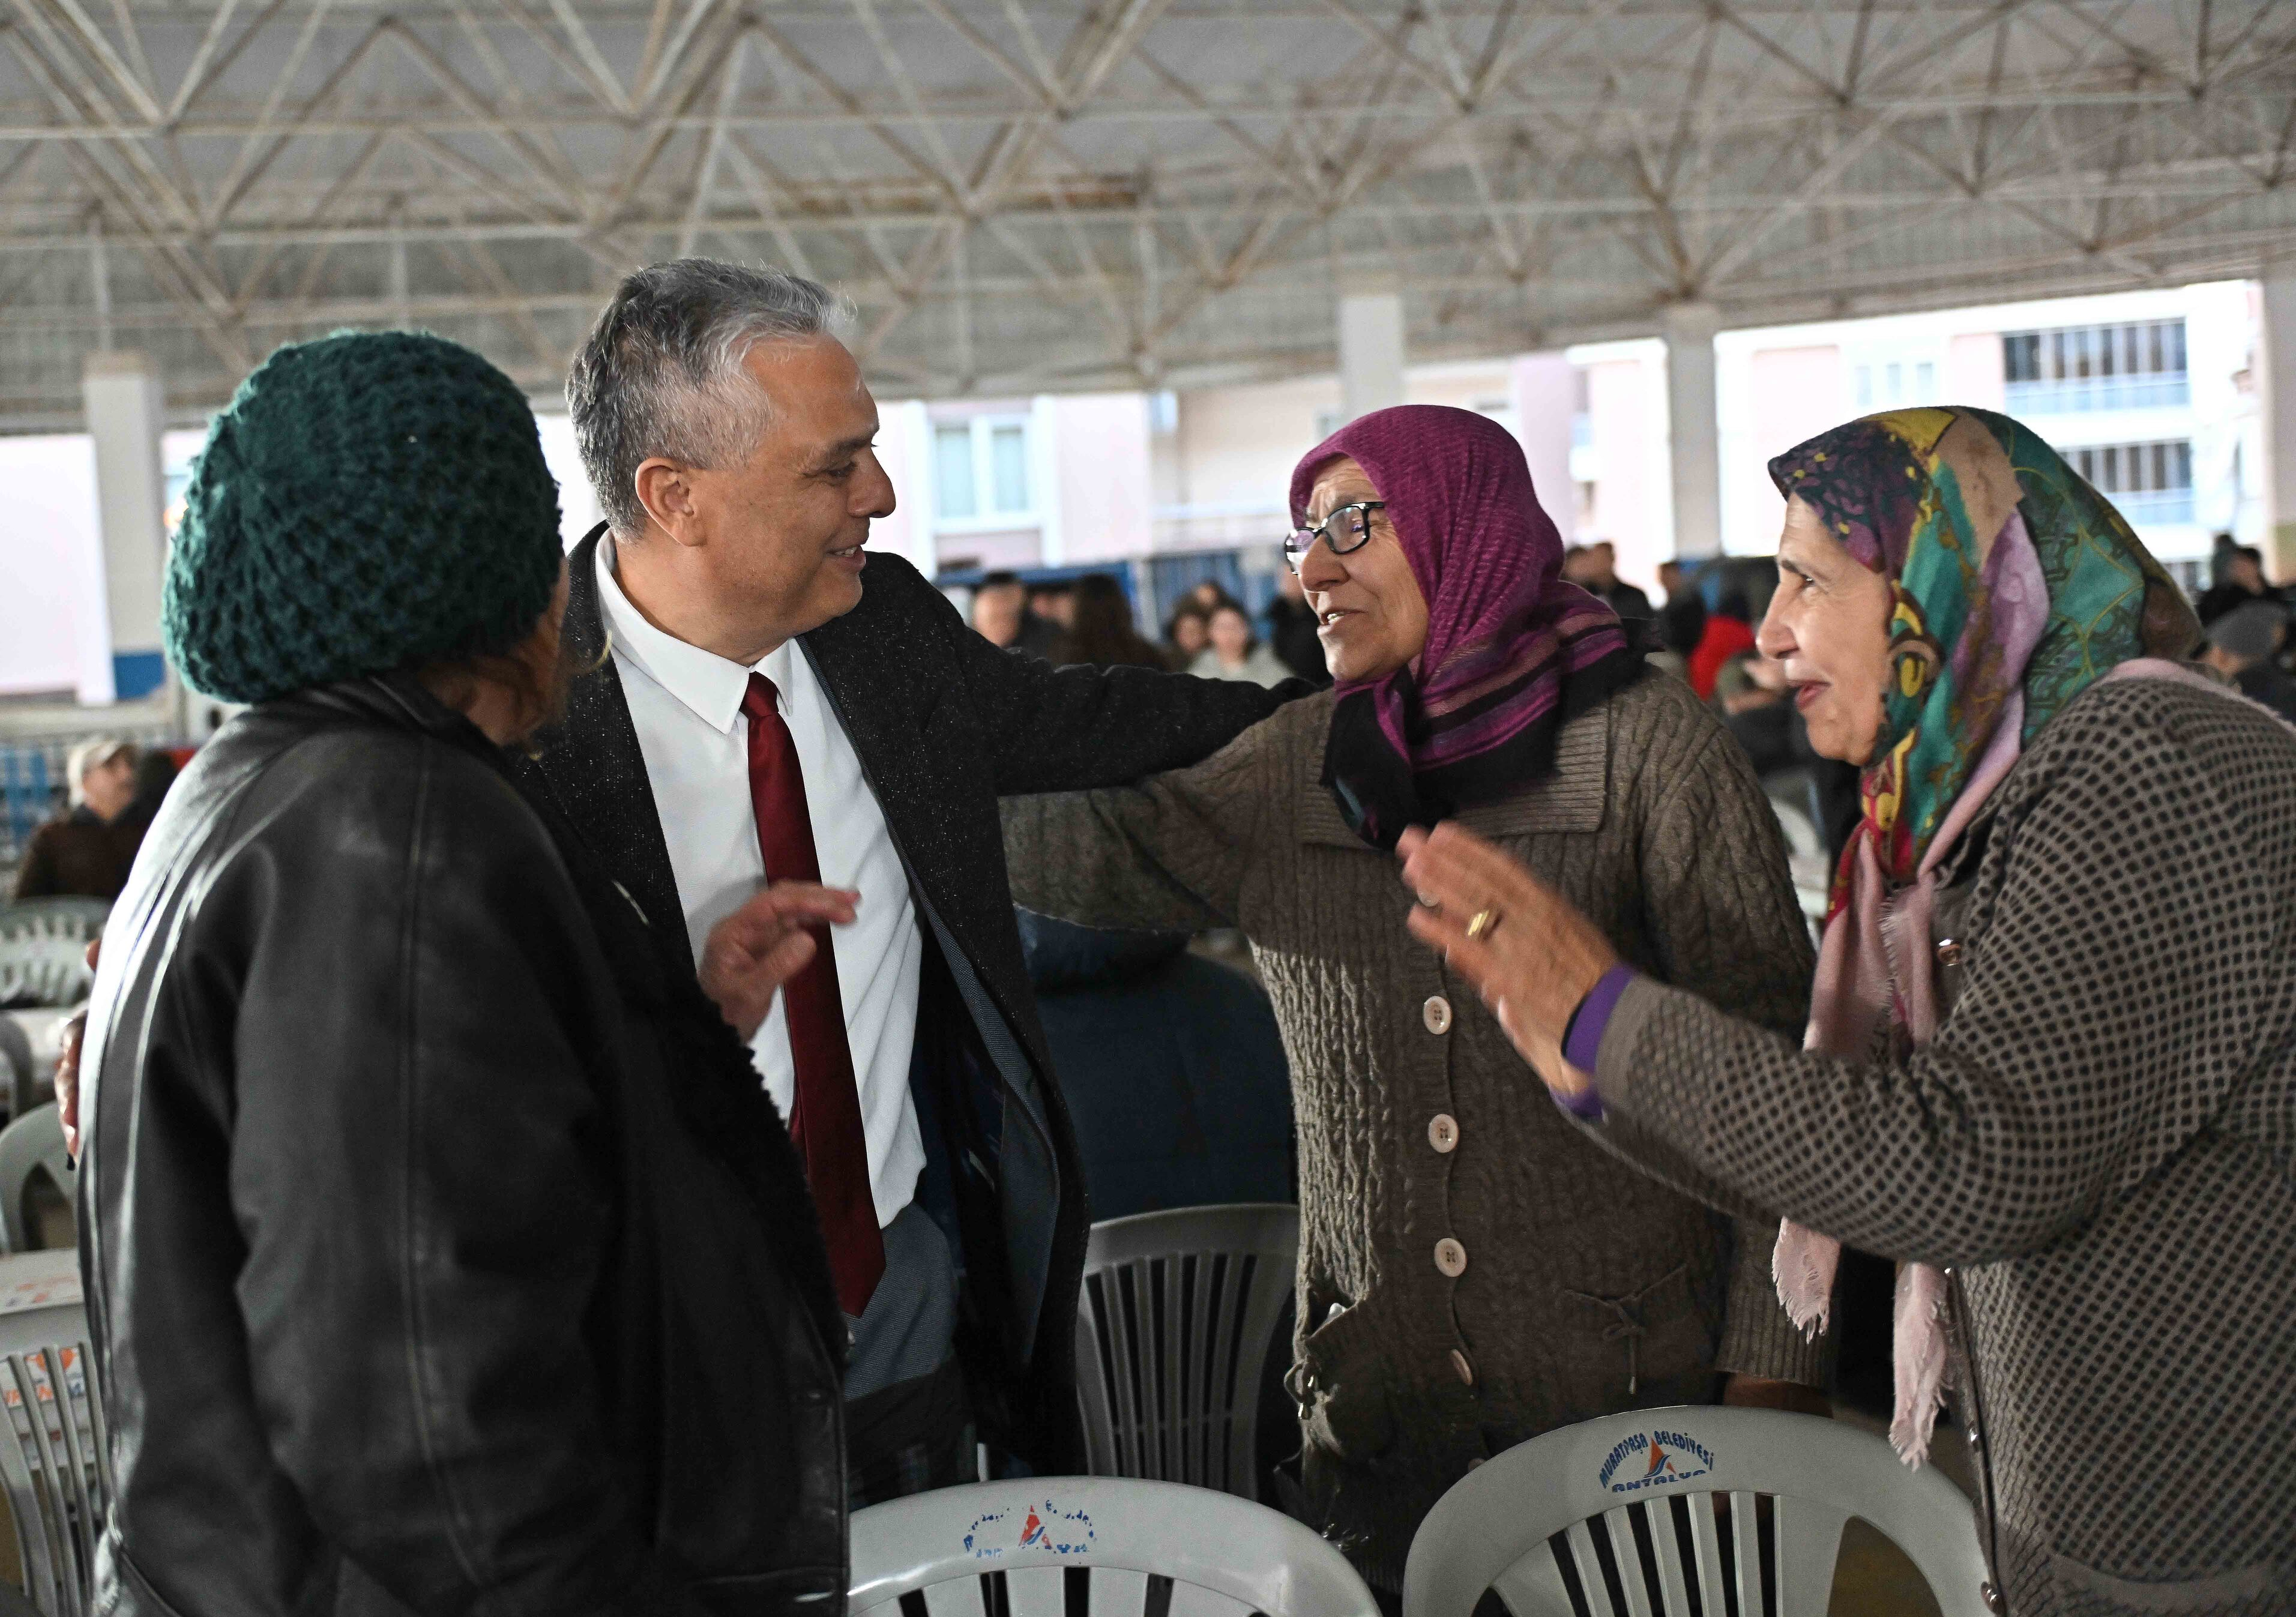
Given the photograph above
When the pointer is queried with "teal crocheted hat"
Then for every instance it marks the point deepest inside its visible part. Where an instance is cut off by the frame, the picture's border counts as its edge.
(368, 501)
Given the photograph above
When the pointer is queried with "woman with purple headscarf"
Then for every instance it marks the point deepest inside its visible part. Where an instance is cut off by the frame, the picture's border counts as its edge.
(1473, 1271)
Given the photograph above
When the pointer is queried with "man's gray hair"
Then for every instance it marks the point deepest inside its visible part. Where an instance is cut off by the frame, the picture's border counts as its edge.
(660, 374)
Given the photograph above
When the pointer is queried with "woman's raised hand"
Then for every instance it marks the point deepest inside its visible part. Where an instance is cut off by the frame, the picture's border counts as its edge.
(1530, 954)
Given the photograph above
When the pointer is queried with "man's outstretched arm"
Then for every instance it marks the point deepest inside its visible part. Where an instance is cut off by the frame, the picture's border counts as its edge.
(1068, 729)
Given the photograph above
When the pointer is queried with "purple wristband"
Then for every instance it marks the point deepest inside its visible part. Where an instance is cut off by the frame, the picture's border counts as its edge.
(1582, 1038)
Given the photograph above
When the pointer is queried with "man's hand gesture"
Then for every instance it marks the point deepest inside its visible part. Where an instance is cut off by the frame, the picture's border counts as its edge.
(764, 943)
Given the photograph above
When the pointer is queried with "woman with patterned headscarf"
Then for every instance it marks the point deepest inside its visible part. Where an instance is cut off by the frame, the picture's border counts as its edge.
(1471, 1271)
(2052, 1059)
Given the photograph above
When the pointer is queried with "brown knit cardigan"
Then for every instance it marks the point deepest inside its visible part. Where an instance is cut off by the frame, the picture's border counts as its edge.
(1474, 1271)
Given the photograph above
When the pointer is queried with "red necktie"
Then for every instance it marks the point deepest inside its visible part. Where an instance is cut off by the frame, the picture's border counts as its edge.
(826, 1111)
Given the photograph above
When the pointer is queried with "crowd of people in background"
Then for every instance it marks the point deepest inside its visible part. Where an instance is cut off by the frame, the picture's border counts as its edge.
(1090, 621)
(1701, 630)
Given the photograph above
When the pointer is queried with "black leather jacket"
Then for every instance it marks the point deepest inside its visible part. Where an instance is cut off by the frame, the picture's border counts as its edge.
(443, 1254)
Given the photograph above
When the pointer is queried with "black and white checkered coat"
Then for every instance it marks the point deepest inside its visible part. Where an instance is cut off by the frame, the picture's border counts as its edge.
(2100, 1144)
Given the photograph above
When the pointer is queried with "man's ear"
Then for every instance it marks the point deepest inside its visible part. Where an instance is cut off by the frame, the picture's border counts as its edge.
(666, 490)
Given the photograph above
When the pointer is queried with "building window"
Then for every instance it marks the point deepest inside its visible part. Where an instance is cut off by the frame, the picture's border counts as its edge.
(1898, 374)
(980, 470)
(953, 480)
(2135, 366)
(2152, 483)
(1892, 384)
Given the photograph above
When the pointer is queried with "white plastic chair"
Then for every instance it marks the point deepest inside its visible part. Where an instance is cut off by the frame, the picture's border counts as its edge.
(34, 1141)
(1129, 1548)
(43, 949)
(1174, 1323)
(53, 1463)
(1619, 1513)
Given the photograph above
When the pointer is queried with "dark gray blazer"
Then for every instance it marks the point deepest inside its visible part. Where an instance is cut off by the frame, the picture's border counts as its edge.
(944, 724)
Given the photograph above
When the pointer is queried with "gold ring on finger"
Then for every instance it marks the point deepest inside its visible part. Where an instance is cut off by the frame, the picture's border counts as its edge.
(1484, 922)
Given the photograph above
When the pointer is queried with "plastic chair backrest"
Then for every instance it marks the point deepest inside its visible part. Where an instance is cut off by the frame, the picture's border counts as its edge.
(1620, 1516)
(16, 1059)
(53, 1463)
(1128, 1548)
(1173, 1328)
(35, 1140)
(43, 949)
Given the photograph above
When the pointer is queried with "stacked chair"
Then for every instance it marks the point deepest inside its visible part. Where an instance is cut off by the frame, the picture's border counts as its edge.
(1173, 1328)
(53, 1461)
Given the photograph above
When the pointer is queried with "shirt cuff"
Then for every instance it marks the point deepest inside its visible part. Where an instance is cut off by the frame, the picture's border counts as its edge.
(1582, 1038)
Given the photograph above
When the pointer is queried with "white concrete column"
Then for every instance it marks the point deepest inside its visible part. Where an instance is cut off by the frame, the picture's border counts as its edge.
(1044, 478)
(1693, 446)
(1546, 390)
(2278, 395)
(1371, 352)
(125, 416)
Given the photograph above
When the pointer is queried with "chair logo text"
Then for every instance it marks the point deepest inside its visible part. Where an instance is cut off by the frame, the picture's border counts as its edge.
(1045, 1527)
(1666, 1456)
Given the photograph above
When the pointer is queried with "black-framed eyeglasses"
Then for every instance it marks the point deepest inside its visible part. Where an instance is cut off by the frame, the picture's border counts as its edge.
(1347, 529)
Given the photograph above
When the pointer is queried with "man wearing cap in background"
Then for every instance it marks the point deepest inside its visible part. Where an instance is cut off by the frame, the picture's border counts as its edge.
(2244, 644)
(77, 854)
(441, 1254)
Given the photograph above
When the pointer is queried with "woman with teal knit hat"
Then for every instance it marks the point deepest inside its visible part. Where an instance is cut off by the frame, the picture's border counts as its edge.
(440, 1255)
(2051, 1064)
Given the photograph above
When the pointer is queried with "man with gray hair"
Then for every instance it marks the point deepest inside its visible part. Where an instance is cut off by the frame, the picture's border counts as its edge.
(78, 853)
(752, 711)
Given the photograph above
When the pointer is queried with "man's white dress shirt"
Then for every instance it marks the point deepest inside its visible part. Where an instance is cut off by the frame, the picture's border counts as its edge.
(686, 706)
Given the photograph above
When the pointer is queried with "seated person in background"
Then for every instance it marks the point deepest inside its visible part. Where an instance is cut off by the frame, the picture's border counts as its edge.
(1054, 604)
(1595, 568)
(445, 1256)
(1172, 1067)
(2240, 582)
(1100, 629)
(1208, 594)
(1472, 1273)
(1234, 652)
(78, 854)
(1186, 633)
(2243, 645)
(1001, 617)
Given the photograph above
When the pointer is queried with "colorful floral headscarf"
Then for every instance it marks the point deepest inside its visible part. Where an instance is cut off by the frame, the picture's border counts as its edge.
(2015, 587)
(1512, 651)
(2012, 576)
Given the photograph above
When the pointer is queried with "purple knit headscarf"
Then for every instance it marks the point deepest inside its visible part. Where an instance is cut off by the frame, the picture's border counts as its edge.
(1512, 651)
